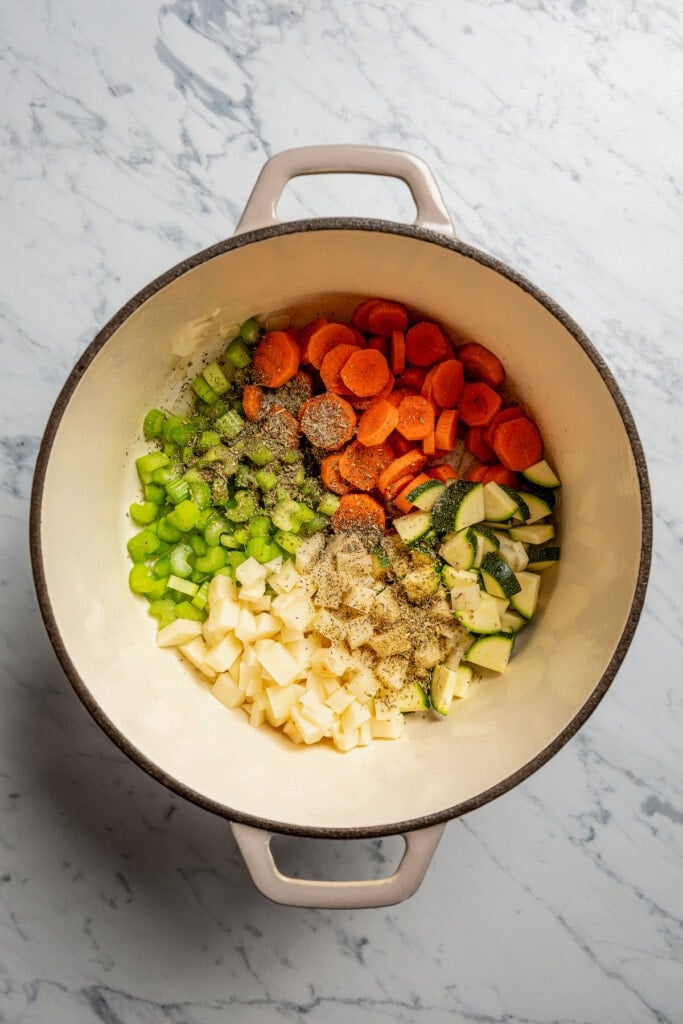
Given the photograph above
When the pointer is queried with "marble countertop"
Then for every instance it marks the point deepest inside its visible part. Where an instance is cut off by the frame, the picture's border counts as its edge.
(130, 136)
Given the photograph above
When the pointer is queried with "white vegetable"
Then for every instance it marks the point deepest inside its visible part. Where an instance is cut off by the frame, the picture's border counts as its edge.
(180, 631)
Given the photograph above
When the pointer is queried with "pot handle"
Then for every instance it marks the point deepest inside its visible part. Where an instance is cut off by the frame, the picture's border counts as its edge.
(261, 208)
(254, 844)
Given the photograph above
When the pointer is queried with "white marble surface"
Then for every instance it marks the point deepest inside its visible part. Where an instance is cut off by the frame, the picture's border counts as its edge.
(130, 135)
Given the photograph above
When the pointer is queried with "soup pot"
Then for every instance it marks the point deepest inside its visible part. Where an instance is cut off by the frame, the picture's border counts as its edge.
(152, 705)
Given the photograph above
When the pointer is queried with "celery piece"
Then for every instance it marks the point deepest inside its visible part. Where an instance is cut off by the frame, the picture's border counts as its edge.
(304, 514)
(155, 493)
(208, 439)
(215, 528)
(235, 558)
(216, 379)
(244, 477)
(250, 331)
(171, 449)
(164, 610)
(200, 494)
(153, 423)
(261, 549)
(265, 479)
(142, 545)
(198, 544)
(147, 464)
(228, 459)
(158, 590)
(300, 476)
(328, 504)
(238, 354)
(178, 430)
(220, 495)
(228, 541)
(141, 579)
(213, 560)
(260, 454)
(183, 586)
(285, 515)
(162, 567)
(204, 390)
(230, 424)
(180, 560)
(185, 610)
(184, 516)
(259, 526)
(193, 475)
(241, 536)
(241, 507)
(287, 541)
(144, 513)
(201, 598)
(178, 490)
(166, 531)
(187, 453)
(314, 525)
(290, 457)
(164, 474)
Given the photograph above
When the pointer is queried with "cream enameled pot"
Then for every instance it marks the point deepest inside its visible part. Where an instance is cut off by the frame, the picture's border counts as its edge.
(152, 705)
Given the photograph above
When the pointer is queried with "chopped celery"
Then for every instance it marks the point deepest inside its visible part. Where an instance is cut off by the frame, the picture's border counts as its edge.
(228, 541)
(179, 560)
(230, 424)
(290, 457)
(193, 475)
(198, 544)
(288, 541)
(184, 516)
(244, 477)
(241, 507)
(314, 525)
(164, 610)
(265, 479)
(162, 567)
(208, 439)
(164, 474)
(240, 536)
(300, 476)
(141, 579)
(147, 464)
(158, 590)
(304, 514)
(226, 456)
(183, 586)
(155, 493)
(204, 390)
(171, 449)
(261, 549)
(235, 558)
(285, 515)
(259, 526)
(260, 454)
(201, 598)
(178, 490)
(250, 331)
(166, 531)
(142, 545)
(329, 503)
(200, 494)
(213, 560)
(215, 528)
(144, 513)
(185, 610)
(238, 354)
(216, 379)
(153, 423)
(178, 430)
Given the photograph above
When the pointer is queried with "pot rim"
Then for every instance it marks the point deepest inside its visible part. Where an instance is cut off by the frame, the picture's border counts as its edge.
(40, 581)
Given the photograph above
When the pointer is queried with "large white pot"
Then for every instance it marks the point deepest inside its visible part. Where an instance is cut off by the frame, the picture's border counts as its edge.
(152, 706)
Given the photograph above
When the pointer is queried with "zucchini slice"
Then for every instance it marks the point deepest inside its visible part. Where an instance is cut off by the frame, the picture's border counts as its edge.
(451, 577)
(498, 577)
(522, 508)
(448, 683)
(538, 508)
(526, 600)
(542, 557)
(485, 618)
(460, 504)
(411, 697)
(539, 533)
(485, 541)
(465, 592)
(413, 526)
(499, 506)
(424, 496)
(512, 622)
(491, 651)
(542, 475)
(459, 549)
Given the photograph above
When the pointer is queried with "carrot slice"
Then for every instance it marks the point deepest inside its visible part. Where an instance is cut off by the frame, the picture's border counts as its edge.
(252, 401)
(331, 366)
(411, 462)
(366, 372)
(481, 364)
(518, 444)
(511, 413)
(394, 488)
(398, 394)
(500, 475)
(377, 422)
(326, 338)
(362, 466)
(361, 313)
(364, 403)
(425, 344)
(475, 442)
(412, 378)
(446, 429)
(305, 335)
(328, 421)
(276, 359)
(361, 340)
(477, 474)
(401, 500)
(429, 444)
(400, 444)
(443, 473)
(415, 418)
(331, 477)
(398, 351)
(379, 345)
(447, 383)
(358, 512)
(385, 317)
(478, 404)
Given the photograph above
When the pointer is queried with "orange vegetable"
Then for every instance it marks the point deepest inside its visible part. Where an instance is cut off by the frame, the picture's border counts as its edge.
(443, 473)
(398, 351)
(328, 421)
(478, 404)
(415, 418)
(331, 366)
(358, 512)
(477, 474)
(425, 344)
(445, 430)
(412, 378)
(400, 444)
(364, 403)
(475, 442)
(379, 345)
(401, 500)
(398, 394)
(385, 317)
(518, 444)
(511, 413)
(481, 364)
(361, 313)
(305, 335)
(252, 401)
(326, 338)
(366, 372)
(377, 422)
(394, 488)
(501, 475)
(330, 475)
(362, 466)
(410, 463)
(275, 360)
(429, 444)
(447, 383)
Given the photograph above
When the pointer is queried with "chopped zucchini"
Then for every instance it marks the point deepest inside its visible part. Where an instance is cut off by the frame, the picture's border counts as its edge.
(485, 541)
(522, 511)
(497, 576)
(539, 533)
(412, 526)
(485, 618)
(460, 504)
(444, 682)
(498, 503)
(491, 652)
(459, 549)
(419, 584)
(538, 508)
(542, 475)
(411, 697)
(542, 557)
(424, 496)
(512, 622)
(526, 600)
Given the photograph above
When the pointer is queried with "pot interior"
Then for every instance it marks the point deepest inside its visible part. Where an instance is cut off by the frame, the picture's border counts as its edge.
(152, 702)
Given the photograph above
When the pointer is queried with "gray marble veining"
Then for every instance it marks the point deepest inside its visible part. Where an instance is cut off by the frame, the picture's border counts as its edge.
(130, 136)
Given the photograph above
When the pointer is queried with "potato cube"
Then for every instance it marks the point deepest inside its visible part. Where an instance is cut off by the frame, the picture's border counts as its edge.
(364, 734)
(364, 684)
(181, 631)
(226, 690)
(385, 607)
(266, 625)
(245, 630)
(257, 715)
(308, 552)
(195, 651)
(222, 587)
(389, 728)
(392, 671)
(310, 733)
(250, 572)
(223, 654)
(254, 593)
(296, 612)
(359, 597)
(354, 563)
(340, 700)
(358, 631)
(330, 626)
(223, 617)
(394, 641)
(427, 655)
(285, 580)
(354, 715)
(279, 663)
(281, 699)
(290, 729)
(345, 741)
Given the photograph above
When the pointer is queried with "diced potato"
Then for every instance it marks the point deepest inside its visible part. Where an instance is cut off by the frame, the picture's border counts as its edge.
(180, 631)
(223, 617)
(419, 584)
(281, 699)
(308, 552)
(273, 566)
(266, 625)
(333, 661)
(317, 712)
(254, 593)
(226, 690)
(345, 741)
(359, 597)
(291, 636)
(290, 729)
(330, 626)
(245, 630)
(340, 700)
(279, 662)
(261, 605)
(257, 715)
(390, 728)
(223, 654)
(385, 606)
(296, 612)
(329, 591)
(310, 733)
(364, 734)
(195, 651)
(355, 714)
(427, 655)
(301, 650)
(284, 581)
(394, 641)
(250, 572)
(364, 684)
(358, 631)
(222, 587)
(317, 684)
(354, 563)
(392, 671)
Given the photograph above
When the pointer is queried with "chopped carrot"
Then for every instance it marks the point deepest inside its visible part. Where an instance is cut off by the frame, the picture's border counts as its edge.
(385, 317)
(305, 335)
(326, 338)
(252, 401)
(377, 422)
(331, 366)
(400, 444)
(427, 388)
(445, 430)
(478, 404)
(328, 421)
(447, 383)
(361, 313)
(477, 474)
(276, 359)
(412, 378)
(398, 394)
(511, 413)
(361, 340)
(415, 418)
(475, 442)
(281, 424)
(518, 444)
(443, 473)
(481, 364)
(398, 351)
(394, 488)
(330, 475)
(401, 500)
(425, 344)
(411, 462)
(500, 475)
(429, 444)
(358, 512)
(364, 403)
(366, 372)
(361, 466)
(379, 345)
